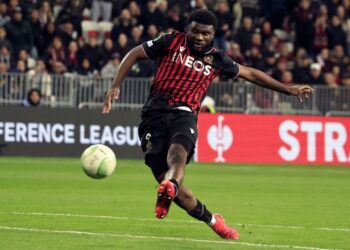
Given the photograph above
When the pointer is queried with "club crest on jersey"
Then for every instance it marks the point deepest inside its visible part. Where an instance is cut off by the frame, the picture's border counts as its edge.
(191, 62)
(208, 58)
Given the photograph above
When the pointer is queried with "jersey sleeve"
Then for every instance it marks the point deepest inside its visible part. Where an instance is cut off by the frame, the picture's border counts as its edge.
(229, 67)
(157, 47)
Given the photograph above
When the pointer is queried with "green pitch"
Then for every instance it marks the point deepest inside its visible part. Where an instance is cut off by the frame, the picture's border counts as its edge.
(51, 204)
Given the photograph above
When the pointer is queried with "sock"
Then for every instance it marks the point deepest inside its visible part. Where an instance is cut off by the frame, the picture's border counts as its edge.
(201, 213)
(176, 185)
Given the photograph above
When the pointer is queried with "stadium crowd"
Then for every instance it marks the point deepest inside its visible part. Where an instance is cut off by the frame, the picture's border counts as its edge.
(294, 41)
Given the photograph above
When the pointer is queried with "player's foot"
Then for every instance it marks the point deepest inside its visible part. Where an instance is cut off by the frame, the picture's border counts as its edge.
(166, 193)
(222, 229)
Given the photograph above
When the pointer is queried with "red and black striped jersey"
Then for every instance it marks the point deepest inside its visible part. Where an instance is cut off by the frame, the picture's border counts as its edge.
(182, 77)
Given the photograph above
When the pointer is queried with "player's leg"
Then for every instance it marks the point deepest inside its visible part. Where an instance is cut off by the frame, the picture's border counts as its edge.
(187, 201)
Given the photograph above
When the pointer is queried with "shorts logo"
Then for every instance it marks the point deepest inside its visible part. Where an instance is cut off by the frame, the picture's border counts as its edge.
(192, 130)
(149, 143)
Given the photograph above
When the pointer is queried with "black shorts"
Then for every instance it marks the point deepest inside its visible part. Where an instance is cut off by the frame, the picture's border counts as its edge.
(159, 129)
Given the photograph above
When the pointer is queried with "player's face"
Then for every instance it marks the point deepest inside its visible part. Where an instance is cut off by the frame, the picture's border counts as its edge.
(200, 35)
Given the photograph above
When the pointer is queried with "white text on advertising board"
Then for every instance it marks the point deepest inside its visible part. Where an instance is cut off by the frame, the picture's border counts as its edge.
(58, 133)
(334, 136)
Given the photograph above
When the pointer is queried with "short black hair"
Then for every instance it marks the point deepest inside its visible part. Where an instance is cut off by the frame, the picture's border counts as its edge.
(205, 17)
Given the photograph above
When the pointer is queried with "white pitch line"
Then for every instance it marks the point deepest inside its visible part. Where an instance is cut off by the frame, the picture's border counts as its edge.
(55, 231)
(167, 220)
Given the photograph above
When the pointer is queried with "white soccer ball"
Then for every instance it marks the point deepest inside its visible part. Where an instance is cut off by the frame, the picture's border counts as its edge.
(98, 161)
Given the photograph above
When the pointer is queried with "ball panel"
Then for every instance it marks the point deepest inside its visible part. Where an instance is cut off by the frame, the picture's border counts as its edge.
(98, 161)
(107, 166)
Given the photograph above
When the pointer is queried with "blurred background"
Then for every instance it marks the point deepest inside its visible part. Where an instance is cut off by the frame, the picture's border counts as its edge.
(69, 50)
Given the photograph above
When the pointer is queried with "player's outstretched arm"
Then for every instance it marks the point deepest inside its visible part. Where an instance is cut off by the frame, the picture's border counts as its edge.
(123, 69)
(262, 79)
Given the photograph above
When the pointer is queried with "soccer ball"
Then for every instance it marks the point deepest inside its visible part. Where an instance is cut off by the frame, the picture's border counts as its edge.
(98, 161)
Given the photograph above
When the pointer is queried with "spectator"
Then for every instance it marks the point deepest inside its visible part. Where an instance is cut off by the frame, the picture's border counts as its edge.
(135, 12)
(282, 66)
(28, 61)
(333, 78)
(20, 67)
(175, 19)
(19, 33)
(152, 15)
(320, 31)
(136, 36)
(287, 77)
(256, 59)
(200, 5)
(302, 67)
(152, 32)
(101, 9)
(4, 16)
(37, 29)
(235, 53)
(92, 52)
(46, 38)
(323, 59)
(4, 41)
(73, 57)
(250, 8)
(276, 12)
(338, 56)
(336, 34)
(45, 13)
(56, 51)
(3, 69)
(3, 79)
(5, 56)
(109, 69)
(302, 18)
(315, 76)
(72, 12)
(123, 25)
(12, 5)
(66, 33)
(266, 31)
(163, 9)
(270, 61)
(41, 79)
(33, 98)
(332, 6)
(107, 50)
(244, 34)
(122, 46)
(225, 24)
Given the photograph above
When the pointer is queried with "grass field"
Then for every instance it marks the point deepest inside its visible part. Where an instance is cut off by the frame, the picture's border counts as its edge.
(49, 203)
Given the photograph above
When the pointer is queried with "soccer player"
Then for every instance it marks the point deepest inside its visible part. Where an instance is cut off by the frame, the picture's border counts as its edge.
(187, 64)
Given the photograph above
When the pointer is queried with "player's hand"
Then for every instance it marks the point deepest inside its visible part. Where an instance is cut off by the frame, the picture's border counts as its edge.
(111, 94)
(301, 91)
